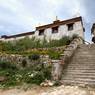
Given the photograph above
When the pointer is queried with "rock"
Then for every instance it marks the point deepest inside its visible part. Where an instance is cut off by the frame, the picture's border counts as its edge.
(2, 78)
(50, 83)
(47, 83)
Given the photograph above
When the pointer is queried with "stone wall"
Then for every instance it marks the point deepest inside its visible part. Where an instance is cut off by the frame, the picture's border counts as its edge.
(70, 49)
(19, 59)
(57, 49)
(58, 65)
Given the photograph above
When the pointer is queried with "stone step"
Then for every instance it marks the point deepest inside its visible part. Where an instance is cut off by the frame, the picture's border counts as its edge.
(76, 65)
(72, 82)
(82, 61)
(81, 68)
(80, 76)
(72, 76)
(89, 62)
(79, 79)
(82, 53)
(90, 56)
(87, 46)
(77, 82)
(84, 49)
(80, 71)
(81, 65)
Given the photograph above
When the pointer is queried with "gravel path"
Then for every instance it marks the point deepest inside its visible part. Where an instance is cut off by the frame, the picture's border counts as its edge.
(62, 90)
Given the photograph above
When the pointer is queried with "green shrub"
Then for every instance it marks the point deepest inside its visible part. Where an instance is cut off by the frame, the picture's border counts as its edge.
(7, 65)
(40, 74)
(57, 83)
(34, 57)
(53, 54)
(27, 43)
(74, 36)
(34, 75)
(24, 63)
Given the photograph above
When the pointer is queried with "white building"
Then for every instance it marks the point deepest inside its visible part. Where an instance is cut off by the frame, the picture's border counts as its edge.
(55, 30)
(93, 33)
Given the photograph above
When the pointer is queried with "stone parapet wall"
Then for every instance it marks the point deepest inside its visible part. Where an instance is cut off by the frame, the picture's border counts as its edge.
(58, 65)
(70, 49)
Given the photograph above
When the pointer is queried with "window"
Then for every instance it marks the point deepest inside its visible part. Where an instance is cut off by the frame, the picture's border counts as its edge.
(41, 32)
(70, 26)
(55, 29)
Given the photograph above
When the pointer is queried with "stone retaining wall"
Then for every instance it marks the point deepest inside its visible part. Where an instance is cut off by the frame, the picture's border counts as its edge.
(18, 59)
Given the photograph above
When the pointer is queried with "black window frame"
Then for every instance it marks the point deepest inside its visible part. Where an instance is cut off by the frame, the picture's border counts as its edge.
(55, 29)
(41, 32)
(70, 26)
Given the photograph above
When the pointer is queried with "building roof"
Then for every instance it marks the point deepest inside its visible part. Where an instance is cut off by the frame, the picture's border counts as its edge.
(93, 27)
(17, 35)
(58, 22)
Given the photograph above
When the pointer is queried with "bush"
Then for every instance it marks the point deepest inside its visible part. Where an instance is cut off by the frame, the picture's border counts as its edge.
(34, 75)
(24, 63)
(74, 36)
(7, 65)
(27, 43)
(53, 54)
(34, 57)
(40, 74)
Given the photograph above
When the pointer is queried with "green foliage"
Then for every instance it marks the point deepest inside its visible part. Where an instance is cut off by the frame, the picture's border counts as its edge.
(7, 65)
(30, 43)
(57, 83)
(34, 56)
(74, 36)
(40, 73)
(65, 40)
(24, 63)
(32, 75)
(53, 54)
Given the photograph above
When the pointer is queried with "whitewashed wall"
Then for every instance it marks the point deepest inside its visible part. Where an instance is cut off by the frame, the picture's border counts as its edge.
(94, 32)
(62, 31)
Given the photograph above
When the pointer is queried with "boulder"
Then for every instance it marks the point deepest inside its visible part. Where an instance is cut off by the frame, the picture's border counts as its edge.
(3, 78)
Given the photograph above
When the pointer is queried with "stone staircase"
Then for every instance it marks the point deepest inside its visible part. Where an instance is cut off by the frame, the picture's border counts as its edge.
(81, 68)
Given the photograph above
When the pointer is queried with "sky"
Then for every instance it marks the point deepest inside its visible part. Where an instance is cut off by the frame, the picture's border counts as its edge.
(18, 16)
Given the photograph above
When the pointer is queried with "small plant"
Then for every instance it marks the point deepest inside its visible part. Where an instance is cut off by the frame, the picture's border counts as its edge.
(34, 57)
(53, 54)
(7, 65)
(35, 75)
(74, 36)
(24, 63)
(57, 83)
(26, 43)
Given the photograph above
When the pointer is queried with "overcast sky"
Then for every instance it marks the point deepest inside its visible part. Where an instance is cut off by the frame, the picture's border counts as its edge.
(17, 16)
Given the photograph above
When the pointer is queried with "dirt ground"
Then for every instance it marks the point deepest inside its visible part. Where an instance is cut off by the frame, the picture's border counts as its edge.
(37, 90)
(25, 91)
